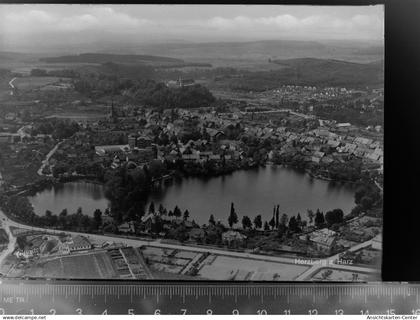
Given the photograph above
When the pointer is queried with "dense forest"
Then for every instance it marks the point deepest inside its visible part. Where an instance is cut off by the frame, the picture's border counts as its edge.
(147, 92)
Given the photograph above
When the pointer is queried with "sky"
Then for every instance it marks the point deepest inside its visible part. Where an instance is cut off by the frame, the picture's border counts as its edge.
(49, 25)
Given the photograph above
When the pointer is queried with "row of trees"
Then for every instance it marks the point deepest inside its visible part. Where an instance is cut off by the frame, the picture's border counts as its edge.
(294, 223)
(171, 213)
(75, 221)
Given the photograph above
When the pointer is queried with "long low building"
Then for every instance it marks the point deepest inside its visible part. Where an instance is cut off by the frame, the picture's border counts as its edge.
(111, 149)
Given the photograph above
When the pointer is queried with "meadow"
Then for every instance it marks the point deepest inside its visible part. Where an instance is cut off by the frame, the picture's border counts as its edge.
(30, 83)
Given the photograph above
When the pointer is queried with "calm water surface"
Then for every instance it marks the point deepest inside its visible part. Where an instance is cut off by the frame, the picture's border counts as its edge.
(70, 196)
(253, 192)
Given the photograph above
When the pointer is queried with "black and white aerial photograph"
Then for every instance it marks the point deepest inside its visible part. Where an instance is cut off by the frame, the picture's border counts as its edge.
(191, 142)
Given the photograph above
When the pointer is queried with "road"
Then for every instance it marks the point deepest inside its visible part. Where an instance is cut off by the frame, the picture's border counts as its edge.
(47, 158)
(12, 86)
(10, 246)
(7, 223)
(154, 243)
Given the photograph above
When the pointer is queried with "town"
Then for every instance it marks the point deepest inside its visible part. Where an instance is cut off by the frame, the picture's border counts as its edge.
(118, 142)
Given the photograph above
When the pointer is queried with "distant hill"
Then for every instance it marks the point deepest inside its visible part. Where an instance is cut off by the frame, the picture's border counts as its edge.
(275, 49)
(334, 70)
(13, 56)
(124, 71)
(313, 72)
(116, 58)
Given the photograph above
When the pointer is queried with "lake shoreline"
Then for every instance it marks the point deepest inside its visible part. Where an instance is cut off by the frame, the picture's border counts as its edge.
(158, 196)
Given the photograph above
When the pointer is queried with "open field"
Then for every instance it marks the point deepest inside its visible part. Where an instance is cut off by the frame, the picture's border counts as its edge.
(29, 83)
(229, 268)
(25, 68)
(90, 266)
(341, 275)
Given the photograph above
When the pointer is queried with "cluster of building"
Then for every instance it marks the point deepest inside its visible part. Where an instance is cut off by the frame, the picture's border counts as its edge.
(198, 137)
(48, 245)
(355, 231)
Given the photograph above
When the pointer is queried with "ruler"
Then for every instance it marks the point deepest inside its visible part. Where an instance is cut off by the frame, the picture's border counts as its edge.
(158, 297)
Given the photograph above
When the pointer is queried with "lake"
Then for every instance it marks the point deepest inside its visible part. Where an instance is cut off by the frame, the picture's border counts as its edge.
(252, 191)
(255, 192)
(70, 196)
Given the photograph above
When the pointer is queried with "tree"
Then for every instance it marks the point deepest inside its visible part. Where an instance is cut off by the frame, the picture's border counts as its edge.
(157, 226)
(246, 222)
(258, 222)
(274, 216)
(334, 216)
(161, 210)
(152, 207)
(310, 215)
(211, 220)
(277, 215)
(186, 214)
(299, 219)
(84, 222)
(272, 223)
(156, 168)
(50, 219)
(181, 233)
(319, 219)
(233, 217)
(54, 220)
(366, 202)
(284, 219)
(359, 194)
(177, 212)
(356, 210)
(266, 226)
(97, 216)
(62, 218)
(293, 224)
